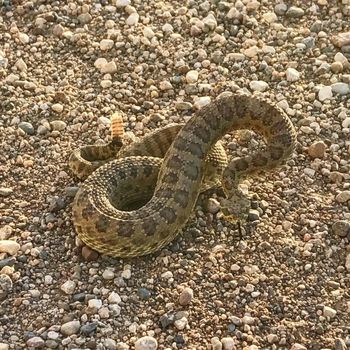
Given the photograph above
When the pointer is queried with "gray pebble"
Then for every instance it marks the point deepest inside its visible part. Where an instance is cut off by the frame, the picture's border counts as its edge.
(339, 344)
(88, 328)
(316, 26)
(110, 344)
(71, 191)
(69, 328)
(253, 215)
(27, 127)
(341, 228)
(281, 9)
(5, 283)
(144, 293)
(295, 12)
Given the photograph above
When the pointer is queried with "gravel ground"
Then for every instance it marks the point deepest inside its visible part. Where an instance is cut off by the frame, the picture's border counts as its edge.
(66, 66)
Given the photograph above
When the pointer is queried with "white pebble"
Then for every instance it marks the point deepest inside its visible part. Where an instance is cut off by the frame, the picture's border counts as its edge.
(8, 246)
(165, 85)
(104, 120)
(339, 57)
(148, 33)
(122, 3)
(114, 298)
(23, 38)
(95, 303)
(100, 62)
(166, 275)
(292, 74)
(202, 101)
(146, 343)
(105, 84)
(106, 44)
(181, 323)
(68, 287)
(251, 51)
(270, 17)
(21, 65)
(346, 123)
(132, 19)
(258, 85)
(192, 76)
(228, 343)
(108, 274)
(109, 67)
(329, 312)
(57, 107)
(325, 93)
(248, 320)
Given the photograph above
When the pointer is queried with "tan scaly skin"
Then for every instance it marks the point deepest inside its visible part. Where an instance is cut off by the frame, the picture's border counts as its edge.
(167, 176)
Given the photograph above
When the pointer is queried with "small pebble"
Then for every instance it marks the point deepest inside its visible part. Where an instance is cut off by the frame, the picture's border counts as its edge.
(343, 197)
(132, 19)
(10, 247)
(325, 93)
(35, 342)
(146, 343)
(228, 343)
(295, 12)
(69, 328)
(186, 296)
(68, 287)
(192, 76)
(329, 312)
(341, 228)
(317, 149)
(27, 128)
(57, 107)
(292, 74)
(258, 85)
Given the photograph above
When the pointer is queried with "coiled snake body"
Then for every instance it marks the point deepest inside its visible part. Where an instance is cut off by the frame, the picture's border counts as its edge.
(165, 171)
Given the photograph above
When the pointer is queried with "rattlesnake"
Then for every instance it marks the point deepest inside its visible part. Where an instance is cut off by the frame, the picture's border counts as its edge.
(167, 174)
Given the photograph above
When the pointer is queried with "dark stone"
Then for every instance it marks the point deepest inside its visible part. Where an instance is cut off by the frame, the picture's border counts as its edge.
(144, 293)
(166, 320)
(88, 328)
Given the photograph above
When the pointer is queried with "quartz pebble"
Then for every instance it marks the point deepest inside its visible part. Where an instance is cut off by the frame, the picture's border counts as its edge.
(192, 76)
(10, 247)
(292, 74)
(258, 85)
(106, 44)
(329, 312)
(325, 93)
(146, 343)
(57, 107)
(68, 287)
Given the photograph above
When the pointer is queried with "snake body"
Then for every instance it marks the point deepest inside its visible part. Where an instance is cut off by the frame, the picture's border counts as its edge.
(168, 179)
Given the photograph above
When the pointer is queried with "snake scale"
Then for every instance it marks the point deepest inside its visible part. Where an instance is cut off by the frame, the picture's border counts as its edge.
(164, 172)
